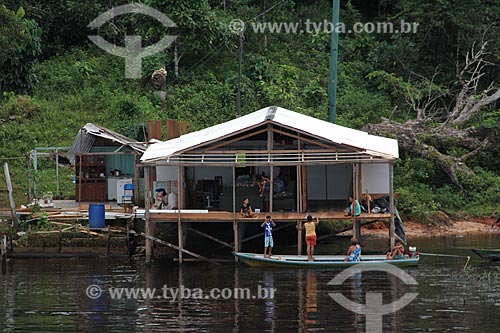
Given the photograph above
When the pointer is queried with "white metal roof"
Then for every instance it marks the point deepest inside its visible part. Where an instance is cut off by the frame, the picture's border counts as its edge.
(371, 144)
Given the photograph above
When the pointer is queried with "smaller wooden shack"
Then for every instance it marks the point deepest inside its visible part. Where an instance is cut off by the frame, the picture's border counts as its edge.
(104, 162)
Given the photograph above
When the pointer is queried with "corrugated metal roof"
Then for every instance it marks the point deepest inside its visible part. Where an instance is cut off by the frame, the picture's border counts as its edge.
(373, 145)
(86, 138)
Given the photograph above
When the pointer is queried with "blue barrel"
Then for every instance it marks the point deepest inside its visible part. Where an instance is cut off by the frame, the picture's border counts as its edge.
(96, 216)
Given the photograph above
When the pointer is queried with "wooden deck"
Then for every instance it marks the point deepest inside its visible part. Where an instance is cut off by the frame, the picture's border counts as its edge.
(221, 216)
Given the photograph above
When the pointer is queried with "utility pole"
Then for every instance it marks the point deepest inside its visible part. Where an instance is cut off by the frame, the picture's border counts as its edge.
(238, 101)
(334, 52)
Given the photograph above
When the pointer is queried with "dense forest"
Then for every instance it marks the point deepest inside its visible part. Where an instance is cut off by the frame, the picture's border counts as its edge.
(434, 90)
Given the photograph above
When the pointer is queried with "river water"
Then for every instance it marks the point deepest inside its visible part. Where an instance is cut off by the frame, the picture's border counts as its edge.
(49, 295)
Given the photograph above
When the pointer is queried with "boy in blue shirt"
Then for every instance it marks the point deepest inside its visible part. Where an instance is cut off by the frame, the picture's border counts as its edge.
(268, 226)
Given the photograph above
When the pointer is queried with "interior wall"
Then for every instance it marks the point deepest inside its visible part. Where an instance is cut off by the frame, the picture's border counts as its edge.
(375, 178)
(329, 182)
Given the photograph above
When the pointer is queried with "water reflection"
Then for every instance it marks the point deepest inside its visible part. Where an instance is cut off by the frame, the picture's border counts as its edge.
(49, 295)
(311, 298)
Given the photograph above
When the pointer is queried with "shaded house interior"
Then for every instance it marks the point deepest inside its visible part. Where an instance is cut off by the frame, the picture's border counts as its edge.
(308, 172)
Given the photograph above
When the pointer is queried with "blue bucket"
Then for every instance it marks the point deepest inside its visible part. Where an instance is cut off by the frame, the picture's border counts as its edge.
(96, 216)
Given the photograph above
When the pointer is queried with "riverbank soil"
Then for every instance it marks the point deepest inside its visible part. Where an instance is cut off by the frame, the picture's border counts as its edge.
(415, 229)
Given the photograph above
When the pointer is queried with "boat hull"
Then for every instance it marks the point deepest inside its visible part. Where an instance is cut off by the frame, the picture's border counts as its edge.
(492, 254)
(322, 262)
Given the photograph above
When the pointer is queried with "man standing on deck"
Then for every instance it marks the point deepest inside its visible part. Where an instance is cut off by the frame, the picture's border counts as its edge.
(268, 226)
(310, 228)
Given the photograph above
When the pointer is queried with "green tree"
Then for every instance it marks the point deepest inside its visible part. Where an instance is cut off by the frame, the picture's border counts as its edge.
(16, 68)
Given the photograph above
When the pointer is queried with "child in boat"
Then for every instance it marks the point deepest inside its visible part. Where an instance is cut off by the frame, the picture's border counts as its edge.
(268, 226)
(261, 182)
(354, 251)
(310, 228)
(246, 209)
(354, 208)
(397, 252)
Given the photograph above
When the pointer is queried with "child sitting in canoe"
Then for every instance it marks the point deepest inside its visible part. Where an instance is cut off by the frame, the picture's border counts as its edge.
(268, 226)
(354, 251)
(397, 252)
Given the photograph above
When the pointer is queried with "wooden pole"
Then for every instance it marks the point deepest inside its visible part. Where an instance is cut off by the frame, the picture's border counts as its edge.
(179, 249)
(211, 237)
(270, 144)
(180, 230)
(4, 254)
(57, 173)
(355, 226)
(136, 178)
(236, 234)
(299, 209)
(147, 200)
(15, 220)
(392, 227)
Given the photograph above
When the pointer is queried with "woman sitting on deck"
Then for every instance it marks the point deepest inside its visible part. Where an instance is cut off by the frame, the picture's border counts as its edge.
(354, 251)
(354, 208)
(246, 209)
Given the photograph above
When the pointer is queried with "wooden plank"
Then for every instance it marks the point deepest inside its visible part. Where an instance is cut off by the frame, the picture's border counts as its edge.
(236, 234)
(211, 237)
(154, 130)
(239, 138)
(304, 188)
(180, 203)
(183, 127)
(179, 249)
(277, 216)
(15, 219)
(172, 129)
(147, 217)
(392, 226)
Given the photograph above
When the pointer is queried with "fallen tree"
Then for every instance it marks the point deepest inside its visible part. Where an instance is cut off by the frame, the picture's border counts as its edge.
(436, 126)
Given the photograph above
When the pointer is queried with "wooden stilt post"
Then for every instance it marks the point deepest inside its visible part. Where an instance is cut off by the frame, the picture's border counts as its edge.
(180, 229)
(180, 235)
(270, 148)
(15, 220)
(4, 254)
(147, 200)
(236, 234)
(299, 210)
(392, 227)
(179, 249)
(356, 228)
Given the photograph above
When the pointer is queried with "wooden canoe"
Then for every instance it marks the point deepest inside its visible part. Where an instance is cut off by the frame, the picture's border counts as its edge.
(320, 261)
(493, 254)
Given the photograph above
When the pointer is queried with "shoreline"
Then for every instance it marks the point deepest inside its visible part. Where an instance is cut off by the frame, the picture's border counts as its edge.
(416, 229)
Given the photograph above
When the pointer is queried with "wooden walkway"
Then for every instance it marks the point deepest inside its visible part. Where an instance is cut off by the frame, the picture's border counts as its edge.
(220, 216)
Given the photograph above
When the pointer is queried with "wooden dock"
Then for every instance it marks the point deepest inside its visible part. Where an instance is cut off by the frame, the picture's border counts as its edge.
(220, 216)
